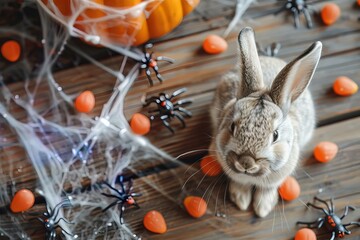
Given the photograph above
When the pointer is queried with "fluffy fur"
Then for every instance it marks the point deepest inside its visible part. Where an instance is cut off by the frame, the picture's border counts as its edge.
(262, 115)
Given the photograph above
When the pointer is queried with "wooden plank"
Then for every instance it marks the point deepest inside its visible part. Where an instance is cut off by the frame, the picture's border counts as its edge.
(337, 179)
(164, 192)
(200, 73)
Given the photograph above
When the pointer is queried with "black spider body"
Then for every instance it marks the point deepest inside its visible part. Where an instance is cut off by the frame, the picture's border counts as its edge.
(332, 222)
(51, 221)
(123, 197)
(148, 62)
(167, 109)
(297, 7)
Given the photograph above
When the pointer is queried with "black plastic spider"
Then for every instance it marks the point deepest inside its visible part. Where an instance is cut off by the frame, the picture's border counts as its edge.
(167, 109)
(148, 62)
(332, 221)
(297, 7)
(51, 221)
(270, 51)
(123, 196)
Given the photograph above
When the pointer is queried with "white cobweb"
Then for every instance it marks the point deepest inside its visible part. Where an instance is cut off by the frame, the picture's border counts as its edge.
(68, 150)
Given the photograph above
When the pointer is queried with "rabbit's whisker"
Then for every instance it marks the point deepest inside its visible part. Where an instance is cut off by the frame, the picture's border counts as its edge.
(188, 179)
(213, 184)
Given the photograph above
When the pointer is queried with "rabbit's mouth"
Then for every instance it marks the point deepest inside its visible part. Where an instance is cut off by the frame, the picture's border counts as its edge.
(246, 164)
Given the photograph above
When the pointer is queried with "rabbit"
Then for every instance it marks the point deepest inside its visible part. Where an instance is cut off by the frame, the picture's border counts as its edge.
(262, 115)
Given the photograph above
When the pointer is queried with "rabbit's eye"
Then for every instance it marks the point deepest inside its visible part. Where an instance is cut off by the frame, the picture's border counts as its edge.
(275, 135)
(232, 128)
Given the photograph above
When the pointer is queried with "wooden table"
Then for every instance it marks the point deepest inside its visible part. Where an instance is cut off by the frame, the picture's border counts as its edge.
(164, 185)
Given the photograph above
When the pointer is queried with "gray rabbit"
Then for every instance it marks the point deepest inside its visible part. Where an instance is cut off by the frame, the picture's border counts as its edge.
(262, 115)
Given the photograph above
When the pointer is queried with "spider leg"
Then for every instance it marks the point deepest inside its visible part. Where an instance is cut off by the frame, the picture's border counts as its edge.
(308, 18)
(327, 205)
(136, 204)
(151, 100)
(352, 223)
(296, 17)
(319, 223)
(178, 92)
(148, 46)
(183, 110)
(332, 206)
(316, 207)
(158, 75)
(167, 125)
(136, 194)
(110, 206)
(332, 236)
(260, 49)
(268, 51)
(59, 206)
(121, 182)
(275, 48)
(111, 196)
(64, 231)
(162, 58)
(152, 117)
(346, 211)
(347, 231)
(111, 187)
(122, 209)
(129, 187)
(64, 221)
(183, 102)
(148, 75)
(143, 66)
(181, 118)
(53, 234)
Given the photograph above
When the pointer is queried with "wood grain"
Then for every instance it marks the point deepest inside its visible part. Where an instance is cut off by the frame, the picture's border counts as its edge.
(334, 179)
(338, 118)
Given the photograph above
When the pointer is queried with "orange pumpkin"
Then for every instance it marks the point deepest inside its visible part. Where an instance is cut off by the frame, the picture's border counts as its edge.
(133, 27)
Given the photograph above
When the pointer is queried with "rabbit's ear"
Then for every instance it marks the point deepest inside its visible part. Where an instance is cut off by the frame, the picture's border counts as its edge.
(250, 69)
(295, 77)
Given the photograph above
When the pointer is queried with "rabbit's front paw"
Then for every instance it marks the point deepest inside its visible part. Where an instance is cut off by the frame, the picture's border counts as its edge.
(240, 195)
(265, 200)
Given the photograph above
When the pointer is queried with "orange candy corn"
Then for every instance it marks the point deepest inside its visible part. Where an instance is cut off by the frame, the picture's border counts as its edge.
(11, 50)
(140, 124)
(325, 151)
(305, 234)
(289, 189)
(330, 13)
(23, 200)
(85, 102)
(155, 222)
(210, 166)
(344, 86)
(195, 206)
(214, 44)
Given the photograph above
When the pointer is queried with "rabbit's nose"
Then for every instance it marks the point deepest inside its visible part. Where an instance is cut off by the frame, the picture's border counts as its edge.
(243, 163)
(248, 164)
